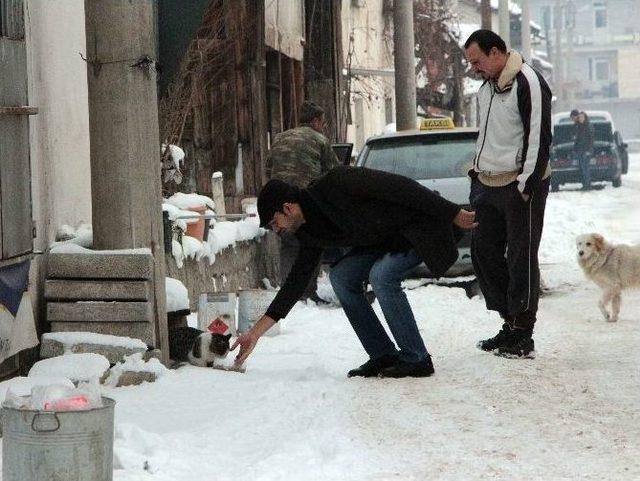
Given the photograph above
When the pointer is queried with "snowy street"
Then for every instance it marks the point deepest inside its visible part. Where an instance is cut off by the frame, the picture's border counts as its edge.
(572, 413)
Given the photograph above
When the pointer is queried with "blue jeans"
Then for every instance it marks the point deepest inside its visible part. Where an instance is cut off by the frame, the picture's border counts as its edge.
(585, 169)
(385, 272)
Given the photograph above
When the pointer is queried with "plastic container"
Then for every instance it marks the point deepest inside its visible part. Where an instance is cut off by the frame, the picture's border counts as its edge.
(252, 304)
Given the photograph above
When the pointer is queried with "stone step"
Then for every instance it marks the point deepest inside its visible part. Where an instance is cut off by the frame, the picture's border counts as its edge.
(80, 290)
(114, 348)
(138, 330)
(111, 312)
(100, 266)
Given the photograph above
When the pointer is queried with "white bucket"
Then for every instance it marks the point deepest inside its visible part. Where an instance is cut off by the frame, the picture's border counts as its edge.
(218, 305)
(252, 305)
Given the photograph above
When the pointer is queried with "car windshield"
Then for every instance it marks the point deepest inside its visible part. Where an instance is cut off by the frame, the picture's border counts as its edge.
(423, 158)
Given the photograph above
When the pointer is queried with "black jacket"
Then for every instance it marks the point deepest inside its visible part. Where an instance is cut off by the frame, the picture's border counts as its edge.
(369, 208)
(583, 141)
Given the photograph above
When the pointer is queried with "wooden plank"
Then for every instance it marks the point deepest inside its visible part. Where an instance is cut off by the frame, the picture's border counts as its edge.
(85, 290)
(16, 230)
(136, 330)
(12, 19)
(99, 312)
(100, 266)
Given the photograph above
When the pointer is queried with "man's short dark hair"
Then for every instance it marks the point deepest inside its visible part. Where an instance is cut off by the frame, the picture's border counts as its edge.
(309, 111)
(486, 40)
(273, 195)
(574, 113)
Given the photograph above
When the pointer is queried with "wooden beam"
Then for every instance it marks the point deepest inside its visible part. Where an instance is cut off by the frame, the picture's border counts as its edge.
(24, 110)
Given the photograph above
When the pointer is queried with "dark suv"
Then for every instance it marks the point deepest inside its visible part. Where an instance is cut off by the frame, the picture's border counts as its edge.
(609, 159)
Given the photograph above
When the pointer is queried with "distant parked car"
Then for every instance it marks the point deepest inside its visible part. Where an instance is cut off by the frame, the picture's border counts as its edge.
(439, 157)
(609, 159)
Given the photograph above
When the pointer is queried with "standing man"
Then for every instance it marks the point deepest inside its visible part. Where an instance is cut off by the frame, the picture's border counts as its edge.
(583, 145)
(509, 187)
(392, 223)
(299, 156)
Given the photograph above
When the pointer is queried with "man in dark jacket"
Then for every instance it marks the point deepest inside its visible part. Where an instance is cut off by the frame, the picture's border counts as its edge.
(391, 223)
(583, 145)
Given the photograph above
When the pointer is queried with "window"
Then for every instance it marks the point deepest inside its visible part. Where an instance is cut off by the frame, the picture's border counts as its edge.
(599, 69)
(600, 14)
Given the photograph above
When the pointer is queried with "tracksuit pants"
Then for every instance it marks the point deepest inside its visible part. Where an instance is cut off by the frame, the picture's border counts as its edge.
(504, 249)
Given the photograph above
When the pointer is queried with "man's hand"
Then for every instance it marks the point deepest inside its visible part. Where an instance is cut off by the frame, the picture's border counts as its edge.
(465, 219)
(248, 340)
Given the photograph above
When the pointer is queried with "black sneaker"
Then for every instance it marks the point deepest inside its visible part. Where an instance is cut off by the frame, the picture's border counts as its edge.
(409, 369)
(496, 341)
(372, 367)
(519, 346)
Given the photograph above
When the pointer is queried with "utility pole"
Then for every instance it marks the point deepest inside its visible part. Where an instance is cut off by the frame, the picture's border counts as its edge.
(504, 22)
(125, 147)
(405, 64)
(526, 29)
(485, 14)
(558, 64)
(570, 24)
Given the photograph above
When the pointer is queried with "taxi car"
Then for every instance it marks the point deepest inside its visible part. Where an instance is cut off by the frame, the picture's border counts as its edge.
(438, 155)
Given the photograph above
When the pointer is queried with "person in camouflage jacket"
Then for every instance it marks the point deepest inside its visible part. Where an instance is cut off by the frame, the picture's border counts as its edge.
(299, 156)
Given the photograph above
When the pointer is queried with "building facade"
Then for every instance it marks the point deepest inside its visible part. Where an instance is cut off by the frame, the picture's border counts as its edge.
(599, 41)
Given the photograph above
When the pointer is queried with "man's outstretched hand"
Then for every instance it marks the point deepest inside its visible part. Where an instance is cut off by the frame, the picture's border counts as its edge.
(465, 219)
(248, 340)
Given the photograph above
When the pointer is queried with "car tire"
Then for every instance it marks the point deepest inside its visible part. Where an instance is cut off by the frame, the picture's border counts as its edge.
(617, 182)
(555, 187)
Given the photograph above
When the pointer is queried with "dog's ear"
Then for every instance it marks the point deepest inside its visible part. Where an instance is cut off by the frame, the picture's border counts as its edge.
(598, 241)
(228, 336)
(197, 348)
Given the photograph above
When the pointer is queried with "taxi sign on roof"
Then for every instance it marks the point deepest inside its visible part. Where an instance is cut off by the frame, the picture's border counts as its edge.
(436, 124)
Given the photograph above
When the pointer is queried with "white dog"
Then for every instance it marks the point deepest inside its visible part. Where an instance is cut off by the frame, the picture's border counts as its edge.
(612, 267)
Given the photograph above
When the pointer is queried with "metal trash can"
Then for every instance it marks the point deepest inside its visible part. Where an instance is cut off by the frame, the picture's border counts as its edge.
(62, 445)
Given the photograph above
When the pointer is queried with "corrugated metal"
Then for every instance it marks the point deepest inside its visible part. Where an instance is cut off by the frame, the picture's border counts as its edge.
(12, 19)
(15, 176)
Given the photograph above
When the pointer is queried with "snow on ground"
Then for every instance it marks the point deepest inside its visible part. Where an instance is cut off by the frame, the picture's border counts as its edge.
(571, 414)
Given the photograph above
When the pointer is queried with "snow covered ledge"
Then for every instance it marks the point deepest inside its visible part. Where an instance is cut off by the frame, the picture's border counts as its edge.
(240, 264)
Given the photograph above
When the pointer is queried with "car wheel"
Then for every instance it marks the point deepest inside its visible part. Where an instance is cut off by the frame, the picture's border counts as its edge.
(617, 182)
(555, 187)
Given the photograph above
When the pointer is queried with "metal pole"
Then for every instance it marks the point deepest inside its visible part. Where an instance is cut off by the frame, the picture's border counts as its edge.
(526, 29)
(485, 14)
(504, 22)
(404, 62)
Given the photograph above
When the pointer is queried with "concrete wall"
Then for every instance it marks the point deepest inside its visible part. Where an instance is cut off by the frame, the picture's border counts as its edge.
(241, 267)
(59, 134)
(368, 45)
